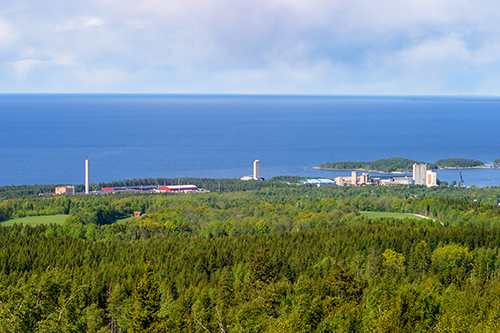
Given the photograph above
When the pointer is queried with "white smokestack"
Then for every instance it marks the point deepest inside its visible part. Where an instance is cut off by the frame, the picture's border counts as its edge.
(256, 169)
(87, 175)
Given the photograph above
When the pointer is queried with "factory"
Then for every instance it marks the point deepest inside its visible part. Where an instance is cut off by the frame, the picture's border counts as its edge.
(422, 176)
(318, 182)
(67, 190)
(354, 180)
(151, 189)
(256, 172)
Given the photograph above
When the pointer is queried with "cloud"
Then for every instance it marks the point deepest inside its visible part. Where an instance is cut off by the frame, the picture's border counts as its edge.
(23, 67)
(262, 46)
(79, 23)
(7, 33)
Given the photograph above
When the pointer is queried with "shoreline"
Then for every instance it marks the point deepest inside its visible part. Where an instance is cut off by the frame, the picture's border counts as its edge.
(407, 172)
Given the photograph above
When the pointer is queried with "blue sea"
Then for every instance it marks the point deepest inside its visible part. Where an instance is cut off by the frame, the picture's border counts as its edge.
(44, 139)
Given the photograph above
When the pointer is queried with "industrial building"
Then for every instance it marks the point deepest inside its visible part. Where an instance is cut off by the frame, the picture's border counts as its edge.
(419, 173)
(68, 190)
(318, 181)
(422, 176)
(256, 172)
(431, 179)
(151, 189)
(401, 180)
(354, 180)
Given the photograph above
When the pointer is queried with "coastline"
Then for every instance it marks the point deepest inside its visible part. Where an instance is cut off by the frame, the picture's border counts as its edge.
(402, 173)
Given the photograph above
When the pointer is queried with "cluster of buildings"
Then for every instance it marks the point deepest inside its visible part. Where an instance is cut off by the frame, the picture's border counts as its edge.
(354, 180)
(421, 176)
(151, 189)
(70, 190)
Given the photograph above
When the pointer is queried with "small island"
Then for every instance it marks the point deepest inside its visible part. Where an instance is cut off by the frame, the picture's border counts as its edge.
(403, 165)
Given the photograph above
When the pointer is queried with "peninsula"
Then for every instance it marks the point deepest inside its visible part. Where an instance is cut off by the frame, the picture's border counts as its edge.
(401, 165)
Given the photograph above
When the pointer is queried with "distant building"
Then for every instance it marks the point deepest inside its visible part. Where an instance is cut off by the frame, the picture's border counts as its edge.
(256, 170)
(420, 174)
(178, 188)
(398, 180)
(151, 188)
(68, 190)
(318, 181)
(137, 214)
(431, 179)
(354, 179)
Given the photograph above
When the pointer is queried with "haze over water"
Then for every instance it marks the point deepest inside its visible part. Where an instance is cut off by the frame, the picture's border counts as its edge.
(44, 139)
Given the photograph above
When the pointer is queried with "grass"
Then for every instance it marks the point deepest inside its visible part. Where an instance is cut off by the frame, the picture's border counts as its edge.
(376, 215)
(36, 220)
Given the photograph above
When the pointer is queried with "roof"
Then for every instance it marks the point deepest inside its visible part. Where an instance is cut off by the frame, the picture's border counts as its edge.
(316, 181)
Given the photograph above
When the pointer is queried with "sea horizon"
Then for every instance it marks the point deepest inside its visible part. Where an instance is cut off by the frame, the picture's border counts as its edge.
(46, 137)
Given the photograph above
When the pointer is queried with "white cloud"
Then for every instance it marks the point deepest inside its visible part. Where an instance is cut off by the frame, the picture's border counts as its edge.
(23, 67)
(79, 23)
(323, 46)
(7, 33)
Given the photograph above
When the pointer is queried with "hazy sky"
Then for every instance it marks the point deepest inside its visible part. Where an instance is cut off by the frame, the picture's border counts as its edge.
(363, 47)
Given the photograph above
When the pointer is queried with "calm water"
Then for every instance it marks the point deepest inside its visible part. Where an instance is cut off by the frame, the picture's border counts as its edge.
(45, 138)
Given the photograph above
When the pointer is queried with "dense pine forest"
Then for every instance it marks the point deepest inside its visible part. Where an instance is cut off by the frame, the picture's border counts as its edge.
(255, 256)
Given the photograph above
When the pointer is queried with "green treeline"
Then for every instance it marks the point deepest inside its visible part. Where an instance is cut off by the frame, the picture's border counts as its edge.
(209, 184)
(382, 277)
(398, 164)
(497, 161)
(455, 163)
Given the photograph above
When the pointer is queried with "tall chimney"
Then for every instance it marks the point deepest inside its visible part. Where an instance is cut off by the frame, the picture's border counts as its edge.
(256, 170)
(87, 175)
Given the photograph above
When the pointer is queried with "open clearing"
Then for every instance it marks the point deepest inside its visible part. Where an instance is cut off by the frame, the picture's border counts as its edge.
(36, 220)
(376, 215)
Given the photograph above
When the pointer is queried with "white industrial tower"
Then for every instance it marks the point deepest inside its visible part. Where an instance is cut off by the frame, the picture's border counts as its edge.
(87, 175)
(419, 173)
(256, 170)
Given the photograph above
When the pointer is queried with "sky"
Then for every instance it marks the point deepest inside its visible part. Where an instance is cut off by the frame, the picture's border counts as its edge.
(307, 47)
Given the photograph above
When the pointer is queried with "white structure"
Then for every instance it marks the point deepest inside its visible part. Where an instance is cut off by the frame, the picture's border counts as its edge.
(87, 175)
(256, 170)
(318, 181)
(420, 174)
(431, 179)
(69, 190)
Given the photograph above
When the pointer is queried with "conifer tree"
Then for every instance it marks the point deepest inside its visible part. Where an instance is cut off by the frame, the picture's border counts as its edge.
(147, 300)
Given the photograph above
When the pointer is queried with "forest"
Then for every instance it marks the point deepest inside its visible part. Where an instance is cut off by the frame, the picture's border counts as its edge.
(398, 164)
(275, 258)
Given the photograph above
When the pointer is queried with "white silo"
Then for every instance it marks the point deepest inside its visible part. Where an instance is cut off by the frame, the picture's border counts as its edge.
(256, 169)
(87, 175)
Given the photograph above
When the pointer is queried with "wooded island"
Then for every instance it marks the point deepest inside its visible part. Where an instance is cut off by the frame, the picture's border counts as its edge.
(401, 165)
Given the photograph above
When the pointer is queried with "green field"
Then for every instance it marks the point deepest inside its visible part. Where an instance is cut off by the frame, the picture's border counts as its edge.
(36, 220)
(376, 215)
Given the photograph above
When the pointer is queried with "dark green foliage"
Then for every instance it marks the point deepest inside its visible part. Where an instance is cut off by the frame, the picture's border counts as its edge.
(399, 164)
(278, 259)
(396, 164)
(455, 163)
(146, 305)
